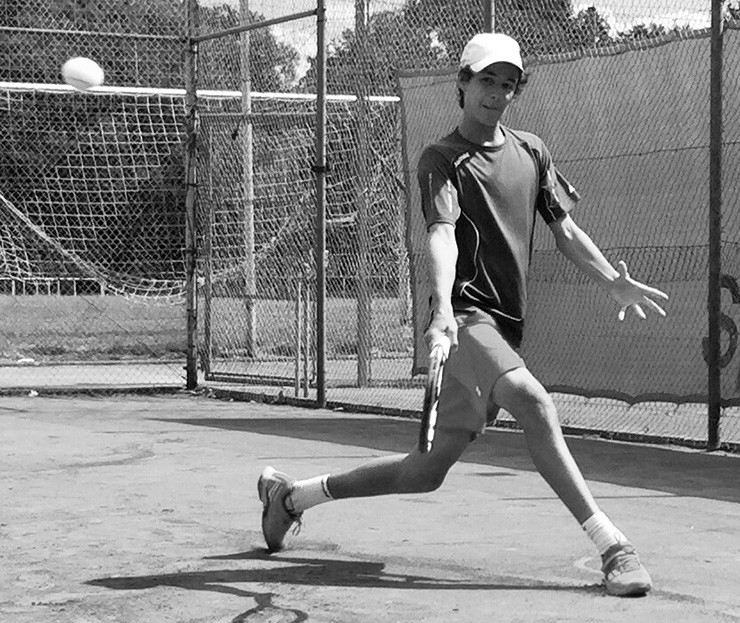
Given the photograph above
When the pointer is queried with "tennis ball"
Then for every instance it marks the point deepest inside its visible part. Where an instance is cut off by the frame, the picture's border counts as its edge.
(82, 73)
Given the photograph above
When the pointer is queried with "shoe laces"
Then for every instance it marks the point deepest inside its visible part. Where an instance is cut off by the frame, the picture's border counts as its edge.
(620, 559)
(296, 517)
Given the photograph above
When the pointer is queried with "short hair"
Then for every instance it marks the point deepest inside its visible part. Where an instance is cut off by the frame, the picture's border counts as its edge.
(465, 74)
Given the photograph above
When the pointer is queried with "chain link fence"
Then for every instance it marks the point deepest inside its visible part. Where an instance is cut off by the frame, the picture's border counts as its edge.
(93, 256)
(91, 233)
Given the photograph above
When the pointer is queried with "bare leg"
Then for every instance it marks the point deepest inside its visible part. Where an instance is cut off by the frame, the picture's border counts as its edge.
(411, 473)
(524, 397)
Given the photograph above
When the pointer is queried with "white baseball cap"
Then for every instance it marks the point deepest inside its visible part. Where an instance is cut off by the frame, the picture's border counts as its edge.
(489, 47)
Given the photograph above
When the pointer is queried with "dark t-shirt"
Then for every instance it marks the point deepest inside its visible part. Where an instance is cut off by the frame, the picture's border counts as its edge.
(491, 195)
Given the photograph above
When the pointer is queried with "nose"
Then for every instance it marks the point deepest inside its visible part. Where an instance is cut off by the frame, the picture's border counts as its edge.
(496, 98)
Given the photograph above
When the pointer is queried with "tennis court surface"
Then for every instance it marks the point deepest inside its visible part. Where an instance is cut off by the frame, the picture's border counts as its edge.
(144, 509)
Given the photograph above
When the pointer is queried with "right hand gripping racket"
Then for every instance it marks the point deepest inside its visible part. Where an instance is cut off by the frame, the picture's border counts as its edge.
(437, 359)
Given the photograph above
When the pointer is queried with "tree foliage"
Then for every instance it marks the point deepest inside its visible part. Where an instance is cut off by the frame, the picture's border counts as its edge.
(273, 65)
(430, 34)
(150, 57)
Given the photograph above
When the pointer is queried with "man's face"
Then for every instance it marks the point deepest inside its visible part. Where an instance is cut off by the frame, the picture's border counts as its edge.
(489, 93)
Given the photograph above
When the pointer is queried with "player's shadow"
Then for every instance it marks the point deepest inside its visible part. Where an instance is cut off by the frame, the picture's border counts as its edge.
(316, 572)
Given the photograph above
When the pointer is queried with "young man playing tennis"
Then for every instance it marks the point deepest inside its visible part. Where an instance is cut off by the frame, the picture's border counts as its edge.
(481, 187)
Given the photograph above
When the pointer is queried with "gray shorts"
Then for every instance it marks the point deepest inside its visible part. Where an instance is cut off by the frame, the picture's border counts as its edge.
(483, 355)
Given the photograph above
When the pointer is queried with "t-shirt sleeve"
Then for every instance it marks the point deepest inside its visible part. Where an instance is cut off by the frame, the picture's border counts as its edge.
(439, 201)
(556, 196)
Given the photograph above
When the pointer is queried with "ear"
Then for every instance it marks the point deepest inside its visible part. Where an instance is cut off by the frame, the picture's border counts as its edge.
(464, 76)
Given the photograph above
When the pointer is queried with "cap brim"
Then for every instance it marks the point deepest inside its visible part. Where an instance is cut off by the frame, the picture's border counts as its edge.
(482, 64)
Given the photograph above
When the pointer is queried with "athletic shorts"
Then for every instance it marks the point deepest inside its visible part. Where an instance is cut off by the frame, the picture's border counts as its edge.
(483, 355)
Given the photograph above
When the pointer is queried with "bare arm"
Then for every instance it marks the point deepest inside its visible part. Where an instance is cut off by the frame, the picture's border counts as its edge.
(576, 245)
(442, 255)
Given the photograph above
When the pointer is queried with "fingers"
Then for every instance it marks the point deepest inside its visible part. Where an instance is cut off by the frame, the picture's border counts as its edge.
(639, 311)
(622, 269)
(655, 307)
(446, 338)
(636, 307)
(444, 343)
(648, 291)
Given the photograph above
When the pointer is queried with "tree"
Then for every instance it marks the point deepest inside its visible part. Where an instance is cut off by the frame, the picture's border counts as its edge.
(641, 32)
(273, 64)
(590, 29)
(103, 175)
(154, 60)
(30, 56)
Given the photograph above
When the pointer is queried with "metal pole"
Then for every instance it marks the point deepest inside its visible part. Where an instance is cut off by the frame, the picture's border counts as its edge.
(207, 289)
(306, 337)
(191, 172)
(362, 129)
(262, 24)
(250, 289)
(489, 15)
(320, 170)
(715, 229)
(298, 333)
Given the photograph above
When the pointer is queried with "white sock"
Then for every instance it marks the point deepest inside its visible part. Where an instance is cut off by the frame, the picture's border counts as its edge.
(309, 493)
(602, 532)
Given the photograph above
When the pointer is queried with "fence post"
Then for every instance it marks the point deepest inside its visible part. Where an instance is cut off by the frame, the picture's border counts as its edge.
(250, 285)
(362, 194)
(298, 333)
(306, 336)
(715, 229)
(191, 364)
(320, 170)
(489, 15)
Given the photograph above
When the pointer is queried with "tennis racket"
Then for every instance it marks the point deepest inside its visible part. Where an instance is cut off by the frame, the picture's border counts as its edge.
(437, 359)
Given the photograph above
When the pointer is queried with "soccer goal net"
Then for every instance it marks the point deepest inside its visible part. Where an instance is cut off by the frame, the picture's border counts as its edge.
(92, 190)
(91, 237)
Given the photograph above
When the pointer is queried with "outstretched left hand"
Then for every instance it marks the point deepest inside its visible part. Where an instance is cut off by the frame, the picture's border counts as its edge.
(630, 293)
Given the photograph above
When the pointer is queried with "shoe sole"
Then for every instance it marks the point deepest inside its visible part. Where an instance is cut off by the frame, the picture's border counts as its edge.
(631, 590)
(635, 588)
(264, 498)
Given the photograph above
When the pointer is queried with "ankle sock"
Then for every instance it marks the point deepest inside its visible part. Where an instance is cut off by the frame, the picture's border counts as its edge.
(602, 532)
(308, 493)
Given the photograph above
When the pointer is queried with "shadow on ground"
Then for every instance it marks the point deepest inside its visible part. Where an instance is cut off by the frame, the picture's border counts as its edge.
(675, 472)
(315, 571)
(311, 571)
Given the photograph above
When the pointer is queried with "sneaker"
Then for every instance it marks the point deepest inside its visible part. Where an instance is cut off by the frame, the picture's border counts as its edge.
(273, 488)
(624, 574)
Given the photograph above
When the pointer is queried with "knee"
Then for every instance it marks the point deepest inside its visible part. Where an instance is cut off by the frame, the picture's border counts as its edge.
(534, 409)
(421, 480)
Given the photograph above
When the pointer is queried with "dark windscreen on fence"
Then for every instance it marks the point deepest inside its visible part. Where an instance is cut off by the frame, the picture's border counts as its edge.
(629, 127)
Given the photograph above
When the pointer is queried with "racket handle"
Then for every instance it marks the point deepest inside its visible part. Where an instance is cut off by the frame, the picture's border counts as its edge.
(438, 353)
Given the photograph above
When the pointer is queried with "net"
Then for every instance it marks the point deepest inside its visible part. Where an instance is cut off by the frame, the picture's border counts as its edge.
(98, 197)
(91, 235)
